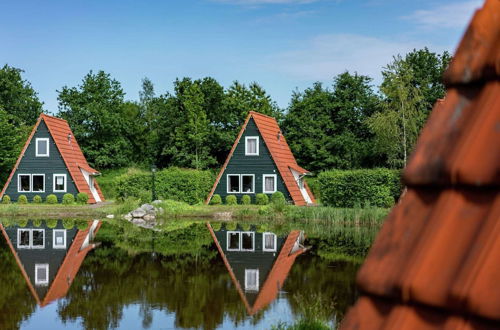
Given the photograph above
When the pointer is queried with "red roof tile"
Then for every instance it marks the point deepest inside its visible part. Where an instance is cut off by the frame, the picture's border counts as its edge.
(435, 263)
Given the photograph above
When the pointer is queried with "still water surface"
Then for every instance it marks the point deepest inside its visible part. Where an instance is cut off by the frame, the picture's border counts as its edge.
(68, 274)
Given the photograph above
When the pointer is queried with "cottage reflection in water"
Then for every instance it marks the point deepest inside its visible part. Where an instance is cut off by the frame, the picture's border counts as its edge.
(258, 262)
(49, 256)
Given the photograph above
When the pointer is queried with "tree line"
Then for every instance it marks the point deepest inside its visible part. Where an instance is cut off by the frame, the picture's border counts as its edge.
(346, 125)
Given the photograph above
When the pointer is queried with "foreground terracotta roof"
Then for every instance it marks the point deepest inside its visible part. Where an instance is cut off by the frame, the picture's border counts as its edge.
(436, 262)
(280, 152)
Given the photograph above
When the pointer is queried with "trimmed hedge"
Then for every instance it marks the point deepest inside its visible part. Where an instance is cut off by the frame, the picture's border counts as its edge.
(261, 199)
(216, 200)
(184, 185)
(51, 199)
(231, 200)
(37, 199)
(68, 199)
(22, 199)
(6, 199)
(348, 188)
(82, 198)
(246, 200)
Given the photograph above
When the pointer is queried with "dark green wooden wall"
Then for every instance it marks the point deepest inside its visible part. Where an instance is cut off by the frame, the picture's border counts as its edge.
(258, 165)
(30, 164)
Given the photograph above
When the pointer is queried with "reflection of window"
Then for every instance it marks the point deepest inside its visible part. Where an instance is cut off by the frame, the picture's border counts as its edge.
(59, 183)
(252, 279)
(59, 240)
(23, 238)
(42, 147)
(233, 183)
(233, 241)
(252, 146)
(24, 183)
(240, 241)
(269, 183)
(269, 242)
(38, 182)
(31, 238)
(41, 274)
(247, 183)
(247, 241)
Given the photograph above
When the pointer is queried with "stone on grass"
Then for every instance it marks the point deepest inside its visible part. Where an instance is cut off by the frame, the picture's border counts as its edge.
(139, 213)
(110, 216)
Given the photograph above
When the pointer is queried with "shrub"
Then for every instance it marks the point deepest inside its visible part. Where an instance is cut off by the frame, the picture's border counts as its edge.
(37, 199)
(278, 198)
(6, 199)
(82, 224)
(378, 187)
(68, 199)
(22, 199)
(261, 199)
(51, 199)
(313, 184)
(216, 226)
(52, 223)
(68, 223)
(37, 223)
(82, 198)
(216, 200)
(246, 200)
(231, 200)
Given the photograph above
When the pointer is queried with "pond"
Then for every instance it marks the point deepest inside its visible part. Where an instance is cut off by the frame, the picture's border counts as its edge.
(78, 274)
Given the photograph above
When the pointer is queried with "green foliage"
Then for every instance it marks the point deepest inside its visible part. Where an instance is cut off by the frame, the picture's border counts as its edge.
(22, 199)
(278, 198)
(68, 223)
(216, 200)
(82, 224)
(37, 223)
(52, 223)
(37, 199)
(6, 199)
(12, 136)
(246, 200)
(313, 184)
(261, 199)
(82, 198)
(68, 199)
(51, 199)
(231, 200)
(378, 187)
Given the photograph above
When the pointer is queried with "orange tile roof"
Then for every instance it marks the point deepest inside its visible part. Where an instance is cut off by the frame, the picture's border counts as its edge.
(70, 152)
(280, 152)
(436, 262)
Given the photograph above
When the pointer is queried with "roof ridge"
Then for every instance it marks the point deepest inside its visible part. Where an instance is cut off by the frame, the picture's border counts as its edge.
(52, 117)
(252, 112)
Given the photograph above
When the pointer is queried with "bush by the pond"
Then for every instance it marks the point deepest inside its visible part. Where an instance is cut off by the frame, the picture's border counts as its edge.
(68, 199)
(313, 184)
(246, 200)
(349, 188)
(22, 199)
(185, 185)
(6, 199)
(261, 199)
(82, 198)
(231, 200)
(51, 199)
(278, 198)
(52, 223)
(216, 200)
(37, 199)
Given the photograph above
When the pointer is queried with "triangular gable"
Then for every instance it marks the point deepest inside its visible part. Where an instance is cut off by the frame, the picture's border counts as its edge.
(70, 152)
(280, 153)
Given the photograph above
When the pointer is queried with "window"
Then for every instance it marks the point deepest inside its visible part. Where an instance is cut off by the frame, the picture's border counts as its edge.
(247, 241)
(24, 183)
(252, 279)
(233, 183)
(59, 183)
(251, 146)
(59, 239)
(41, 274)
(30, 238)
(269, 183)
(42, 147)
(38, 181)
(248, 185)
(233, 241)
(269, 242)
(240, 241)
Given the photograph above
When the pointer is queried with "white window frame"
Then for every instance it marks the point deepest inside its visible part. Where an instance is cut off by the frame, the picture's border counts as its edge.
(19, 183)
(228, 184)
(42, 267)
(54, 183)
(253, 241)
(48, 147)
(264, 242)
(38, 191)
(247, 153)
(19, 230)
(264, 176)
(54, 245)
(30, 245)
(253, 184)
(239, 240)
(256, 286)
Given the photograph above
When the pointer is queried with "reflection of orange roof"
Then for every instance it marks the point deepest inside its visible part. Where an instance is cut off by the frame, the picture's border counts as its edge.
(275, 279)
(66, 273)
(436, 262)
(280, 152)
(70, 152)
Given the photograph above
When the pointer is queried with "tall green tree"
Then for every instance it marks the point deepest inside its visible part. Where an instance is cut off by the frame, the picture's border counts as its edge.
(12, 138)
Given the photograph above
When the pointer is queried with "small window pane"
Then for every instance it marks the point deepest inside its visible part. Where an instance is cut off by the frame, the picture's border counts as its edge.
(269, 183)
(247, 241)
(60, 182)
(233, 241)
(24, 238)
(38, 238)
(42, 147)
(252, 279)
(247, 183)
(251, 146)
(38, 183)
(59, 238)
(41, 274)
(234, 183)
(269, 241)
(24, 183)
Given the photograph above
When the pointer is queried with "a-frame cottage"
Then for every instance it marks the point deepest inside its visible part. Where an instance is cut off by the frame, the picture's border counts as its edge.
(51, 162)
(258, 263)
(261, 161)
(49, 258)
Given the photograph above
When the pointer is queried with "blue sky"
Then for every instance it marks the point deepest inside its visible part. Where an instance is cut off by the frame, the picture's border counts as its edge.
(281, 44)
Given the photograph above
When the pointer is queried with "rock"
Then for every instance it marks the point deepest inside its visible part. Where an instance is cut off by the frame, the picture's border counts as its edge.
(148, 208)
(138, 222)
(110, 216)
(225, 216)
(156, 202)
(128, 216)
(149, 217)
(139, 213)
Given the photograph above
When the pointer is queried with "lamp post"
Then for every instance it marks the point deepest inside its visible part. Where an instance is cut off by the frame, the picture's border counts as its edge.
(153, 171)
